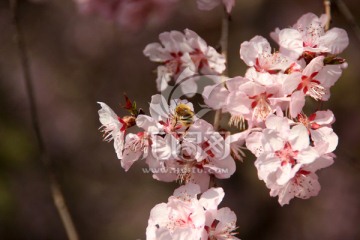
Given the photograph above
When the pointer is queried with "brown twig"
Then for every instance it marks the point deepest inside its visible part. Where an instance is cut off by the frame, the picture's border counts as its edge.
(224, 38)
(224, 48)
(56, 192)
(327, 5)
(345, 11)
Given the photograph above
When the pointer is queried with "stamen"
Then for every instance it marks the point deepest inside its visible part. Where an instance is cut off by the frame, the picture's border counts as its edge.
(237, 121)
(262, 109)
(316, 91)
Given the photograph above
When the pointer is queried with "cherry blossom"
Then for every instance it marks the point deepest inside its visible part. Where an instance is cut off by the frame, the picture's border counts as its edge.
(303, 185)
(315, 81)
(308, 36)
(113, 127)
(185, 216)
(267, 104)
(179, 146)
(285, 149)
(204, 58)
(257, 53)
(137, 145)
(289, 171)
(246, 100)
(178, 51)
(319, 127)
(265, 67)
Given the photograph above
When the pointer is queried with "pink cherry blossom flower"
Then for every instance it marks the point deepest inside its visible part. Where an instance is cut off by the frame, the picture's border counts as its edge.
(205, 58)
(266, 68)
(303, 185)
(185, 216)
(319, 127)
(170, 117)
(113, 127)
(308, 36)
(247, 100)
(185, 148)
(322, 135)
(193, 157)
(220, 223)
(223, 224)
(314, 81)
(257, 53)
(284, 150)
(137, 145)
(207, 5)
(169, 52)
(179, 51)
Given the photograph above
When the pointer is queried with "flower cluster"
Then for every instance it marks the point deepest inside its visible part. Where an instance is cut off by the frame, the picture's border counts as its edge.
(176, 144)
(185, 216)
(290, 146)
(179, 51)
(266, 104)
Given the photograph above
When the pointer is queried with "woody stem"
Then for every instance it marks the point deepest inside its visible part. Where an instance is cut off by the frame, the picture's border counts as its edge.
(224, 48)
(327, 5)
(57, 195)
(224, 38)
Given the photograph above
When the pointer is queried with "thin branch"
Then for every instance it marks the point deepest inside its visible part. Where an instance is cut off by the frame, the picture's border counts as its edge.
(224, 38)
(217, 119)
(224, 48)
(56, 192)
(345, 11)
(327, 5)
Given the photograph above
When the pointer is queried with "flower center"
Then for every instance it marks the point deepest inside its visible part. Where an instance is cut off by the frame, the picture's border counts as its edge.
(287, 155)
(311, 86)
(261, 105)
(174, 65)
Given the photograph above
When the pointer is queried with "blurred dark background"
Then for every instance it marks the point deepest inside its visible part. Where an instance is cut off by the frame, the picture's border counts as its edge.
(79, 59)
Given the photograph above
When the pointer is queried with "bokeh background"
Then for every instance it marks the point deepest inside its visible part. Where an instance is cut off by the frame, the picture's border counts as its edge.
(78, 59)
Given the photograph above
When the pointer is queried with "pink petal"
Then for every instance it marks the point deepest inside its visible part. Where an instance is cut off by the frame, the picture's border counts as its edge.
(297, 103)
(212, 198)
(314, 66)
(156, 52)
(254, 143)
(249, 51)
(291, 43)
(188, 191)
(299, 137)
(328, 75)
(336, 40)
(324, 117)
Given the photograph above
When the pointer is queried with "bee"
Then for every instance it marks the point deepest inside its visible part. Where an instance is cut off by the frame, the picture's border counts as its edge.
(184, 115)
